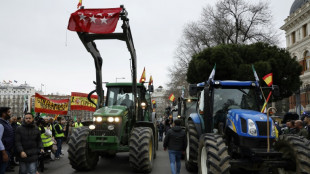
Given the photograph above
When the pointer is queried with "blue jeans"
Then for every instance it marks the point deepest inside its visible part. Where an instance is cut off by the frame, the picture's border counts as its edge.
(28, 167)
(175, 161)
(59, 143)
(3, 165)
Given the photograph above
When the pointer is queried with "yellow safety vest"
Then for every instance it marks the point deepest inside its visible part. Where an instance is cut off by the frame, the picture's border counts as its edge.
(76, 125)
(46, 140)
(58, 135)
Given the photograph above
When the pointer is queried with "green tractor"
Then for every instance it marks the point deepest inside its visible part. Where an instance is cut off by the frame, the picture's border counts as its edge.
(124, 122)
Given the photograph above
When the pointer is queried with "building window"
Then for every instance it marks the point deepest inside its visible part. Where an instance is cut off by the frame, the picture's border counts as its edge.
(307, 60)
(293, 37)
(304, 31)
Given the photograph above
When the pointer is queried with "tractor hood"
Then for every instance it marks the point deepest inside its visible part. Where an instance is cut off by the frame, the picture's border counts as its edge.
(111, 111)
(249, 123)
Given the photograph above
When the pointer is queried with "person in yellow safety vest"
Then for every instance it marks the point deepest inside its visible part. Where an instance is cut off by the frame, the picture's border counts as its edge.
(46, 135)
(78, 123)
(59, 135)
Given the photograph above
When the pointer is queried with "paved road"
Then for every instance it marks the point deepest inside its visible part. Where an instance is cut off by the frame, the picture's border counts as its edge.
(117, 165)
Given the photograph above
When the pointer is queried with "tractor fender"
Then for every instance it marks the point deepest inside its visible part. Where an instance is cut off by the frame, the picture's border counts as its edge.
(198, 121)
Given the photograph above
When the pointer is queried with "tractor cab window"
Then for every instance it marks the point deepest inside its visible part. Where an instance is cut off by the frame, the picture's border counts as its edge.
(190, 107)
(226, 99)
(201, 101)
(120, 96)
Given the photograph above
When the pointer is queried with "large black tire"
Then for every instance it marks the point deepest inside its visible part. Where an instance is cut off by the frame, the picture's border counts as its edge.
(297, 150)
(213, 155)
(80, 156)
(141, 149)
(191, 152)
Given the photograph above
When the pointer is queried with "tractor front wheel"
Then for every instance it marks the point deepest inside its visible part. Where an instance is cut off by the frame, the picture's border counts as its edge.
(191, 152)
(80, 156)
(141, 149)
(213, 155)
(296, 150)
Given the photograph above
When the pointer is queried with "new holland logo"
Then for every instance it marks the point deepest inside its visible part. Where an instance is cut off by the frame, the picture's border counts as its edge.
(262, 117)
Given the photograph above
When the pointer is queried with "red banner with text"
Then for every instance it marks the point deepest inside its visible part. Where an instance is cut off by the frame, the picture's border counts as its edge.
(49, 106)
(79, 101)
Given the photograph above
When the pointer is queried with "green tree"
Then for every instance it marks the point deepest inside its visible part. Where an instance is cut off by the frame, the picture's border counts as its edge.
(233, 62)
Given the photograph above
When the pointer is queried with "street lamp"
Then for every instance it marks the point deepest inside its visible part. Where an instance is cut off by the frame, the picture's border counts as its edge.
(119, 78)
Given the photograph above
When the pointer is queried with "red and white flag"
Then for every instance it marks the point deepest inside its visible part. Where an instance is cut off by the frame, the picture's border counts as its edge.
(99, 21)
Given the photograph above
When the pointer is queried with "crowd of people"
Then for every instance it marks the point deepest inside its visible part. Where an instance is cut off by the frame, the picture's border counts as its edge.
(27, 142)
(294, 126)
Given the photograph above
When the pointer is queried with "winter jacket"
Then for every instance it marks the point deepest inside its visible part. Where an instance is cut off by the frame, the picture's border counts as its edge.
(8, 135)
(175, 139)
(28, 140)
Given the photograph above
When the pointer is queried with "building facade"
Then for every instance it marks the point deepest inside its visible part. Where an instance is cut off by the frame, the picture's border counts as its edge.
(297, 31)
(159, 96)
(16, 97)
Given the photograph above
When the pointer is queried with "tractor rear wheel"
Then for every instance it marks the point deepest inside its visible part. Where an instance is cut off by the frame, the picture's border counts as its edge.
(295, 149)
(141, 149)
(213, 155)
(80, 156)
(191, 152)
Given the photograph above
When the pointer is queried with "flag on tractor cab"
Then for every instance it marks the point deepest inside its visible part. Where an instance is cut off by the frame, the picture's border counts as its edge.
(98, 21)
(153, 101)
(79, 4)
(171, 97)
(151, 81)
(268, 79)
(142, 79)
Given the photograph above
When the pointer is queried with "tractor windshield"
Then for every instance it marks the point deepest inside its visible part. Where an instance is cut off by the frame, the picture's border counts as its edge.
(120, 96)
(241, 98)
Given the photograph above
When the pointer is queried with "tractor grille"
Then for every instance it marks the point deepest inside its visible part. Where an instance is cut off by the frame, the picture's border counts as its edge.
(262, 128)
(102, 130)
(243, 125)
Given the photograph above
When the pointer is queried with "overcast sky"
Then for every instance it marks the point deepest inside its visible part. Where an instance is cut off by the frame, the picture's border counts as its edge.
(36, 47)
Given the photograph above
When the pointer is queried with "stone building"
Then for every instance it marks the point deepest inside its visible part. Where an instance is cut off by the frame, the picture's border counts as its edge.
(297, 31)
(16, 97)
(159, 96)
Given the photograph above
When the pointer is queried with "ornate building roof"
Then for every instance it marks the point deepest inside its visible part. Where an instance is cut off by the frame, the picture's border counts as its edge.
(297, 4)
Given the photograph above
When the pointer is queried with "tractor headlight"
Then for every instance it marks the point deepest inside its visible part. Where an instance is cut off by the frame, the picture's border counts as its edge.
(110, 119)
(92, 127)
(99, 119)
(252, 130)
(116, 119)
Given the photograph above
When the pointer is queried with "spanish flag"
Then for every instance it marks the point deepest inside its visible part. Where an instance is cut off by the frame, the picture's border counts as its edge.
(171, 97)
(79, 4)
(142, 79)
(268, 79)
(151, 81)
(153, 101)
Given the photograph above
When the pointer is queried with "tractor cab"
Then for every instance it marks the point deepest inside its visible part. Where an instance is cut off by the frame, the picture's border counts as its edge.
(223, 96)
(120, 94)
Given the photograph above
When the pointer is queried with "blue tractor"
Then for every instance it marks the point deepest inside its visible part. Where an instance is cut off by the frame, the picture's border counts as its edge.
(228, 133)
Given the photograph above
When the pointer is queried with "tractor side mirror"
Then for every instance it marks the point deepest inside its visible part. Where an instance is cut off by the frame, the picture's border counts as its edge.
(151, 88)
(193, 89)
(275, 90)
